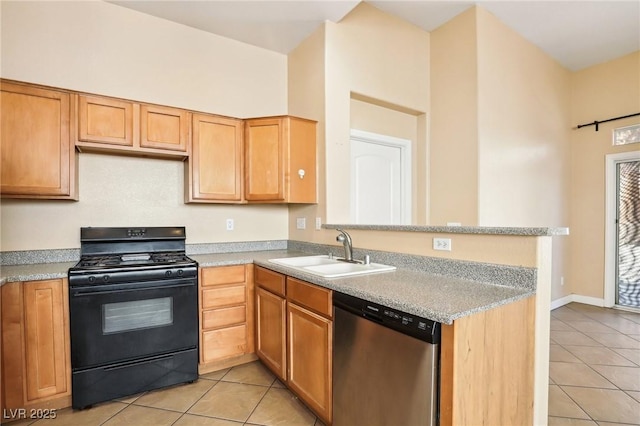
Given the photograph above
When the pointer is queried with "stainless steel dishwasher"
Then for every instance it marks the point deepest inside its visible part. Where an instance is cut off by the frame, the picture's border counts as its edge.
(385, 366)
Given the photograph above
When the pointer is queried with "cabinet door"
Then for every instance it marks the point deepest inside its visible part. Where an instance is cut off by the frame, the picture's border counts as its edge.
(264, 159)
(302, 161)
(270, 331)
(105, 120)
(47, 357)
(163, 128)
(38, 158)
(310, 364)
(215, 164)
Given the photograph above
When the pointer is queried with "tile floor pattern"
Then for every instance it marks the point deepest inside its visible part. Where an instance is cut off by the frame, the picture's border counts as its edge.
(244, 395)
(594, 371)
(594, 380)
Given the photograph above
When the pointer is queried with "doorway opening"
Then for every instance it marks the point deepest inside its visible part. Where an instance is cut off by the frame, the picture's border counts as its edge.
(622, 266)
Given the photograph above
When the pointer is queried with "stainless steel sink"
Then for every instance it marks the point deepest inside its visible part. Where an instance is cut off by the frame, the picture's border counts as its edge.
(327, 267)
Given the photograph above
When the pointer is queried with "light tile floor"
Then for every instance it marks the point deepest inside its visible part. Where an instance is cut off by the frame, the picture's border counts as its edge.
(594, 371)
(244, 395)
(594, 380)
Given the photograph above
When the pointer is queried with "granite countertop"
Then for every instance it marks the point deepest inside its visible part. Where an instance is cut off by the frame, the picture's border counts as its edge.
(34, 272)
(433, 296)
(436, 297)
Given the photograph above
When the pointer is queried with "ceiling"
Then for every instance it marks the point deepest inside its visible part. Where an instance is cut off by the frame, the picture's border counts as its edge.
(578, 34)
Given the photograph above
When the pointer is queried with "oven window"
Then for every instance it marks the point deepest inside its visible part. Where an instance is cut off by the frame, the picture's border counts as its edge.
(137, 314)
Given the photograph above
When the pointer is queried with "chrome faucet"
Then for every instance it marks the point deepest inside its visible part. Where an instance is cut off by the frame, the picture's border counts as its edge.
(345, 239)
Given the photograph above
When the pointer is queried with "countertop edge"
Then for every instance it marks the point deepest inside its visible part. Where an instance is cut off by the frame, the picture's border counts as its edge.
(485, 230)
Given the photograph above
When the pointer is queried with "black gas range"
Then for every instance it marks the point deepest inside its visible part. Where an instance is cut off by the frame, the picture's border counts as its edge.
(133, 306)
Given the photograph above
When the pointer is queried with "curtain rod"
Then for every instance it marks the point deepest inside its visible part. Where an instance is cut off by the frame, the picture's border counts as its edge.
(596, 123)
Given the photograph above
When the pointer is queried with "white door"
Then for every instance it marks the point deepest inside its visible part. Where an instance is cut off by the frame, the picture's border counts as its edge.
(380, 179)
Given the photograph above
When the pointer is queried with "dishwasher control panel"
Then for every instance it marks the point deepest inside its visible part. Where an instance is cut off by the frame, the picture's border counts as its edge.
(412, 325)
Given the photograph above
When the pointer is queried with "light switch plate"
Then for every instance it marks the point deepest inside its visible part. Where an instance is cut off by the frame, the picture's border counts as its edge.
(301, 223)
(318, 223)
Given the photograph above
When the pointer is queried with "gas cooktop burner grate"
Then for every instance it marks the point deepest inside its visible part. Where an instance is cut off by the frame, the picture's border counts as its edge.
(129, 259)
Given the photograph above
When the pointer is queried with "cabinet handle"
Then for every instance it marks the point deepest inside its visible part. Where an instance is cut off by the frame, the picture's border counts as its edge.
(301, 173)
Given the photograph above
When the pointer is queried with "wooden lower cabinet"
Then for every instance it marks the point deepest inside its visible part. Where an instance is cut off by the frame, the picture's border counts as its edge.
(271, 331)
(309, 345)
(226, 317)
(36, 359)
(294, 337)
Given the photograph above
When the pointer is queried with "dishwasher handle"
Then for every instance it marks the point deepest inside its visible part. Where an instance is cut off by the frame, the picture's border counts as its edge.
(373, 317)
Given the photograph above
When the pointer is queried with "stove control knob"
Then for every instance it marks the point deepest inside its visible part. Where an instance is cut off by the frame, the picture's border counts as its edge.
(92, 279)
(105, 278)
(180, 272)
(168, 273)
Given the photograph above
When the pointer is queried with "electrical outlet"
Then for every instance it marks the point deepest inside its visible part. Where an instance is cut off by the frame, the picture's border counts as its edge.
(442, 244)
(318, 223)
(301, 223)
(229, 224)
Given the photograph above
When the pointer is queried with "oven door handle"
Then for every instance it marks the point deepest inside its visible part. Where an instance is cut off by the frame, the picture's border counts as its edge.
(121, 288)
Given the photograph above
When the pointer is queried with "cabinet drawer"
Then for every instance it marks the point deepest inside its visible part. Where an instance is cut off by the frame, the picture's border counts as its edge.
(223, 275)
(224, 343)
(223, 296)
(215, 318)
(269, 280)
(316, 298)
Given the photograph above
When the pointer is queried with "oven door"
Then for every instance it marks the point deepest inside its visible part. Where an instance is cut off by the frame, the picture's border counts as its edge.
(119, 322)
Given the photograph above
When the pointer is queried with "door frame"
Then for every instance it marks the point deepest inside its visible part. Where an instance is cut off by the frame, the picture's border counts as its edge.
(610, 232)
(405, 160)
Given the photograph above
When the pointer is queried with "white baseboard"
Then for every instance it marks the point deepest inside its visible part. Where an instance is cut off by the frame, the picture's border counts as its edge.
(595, 301)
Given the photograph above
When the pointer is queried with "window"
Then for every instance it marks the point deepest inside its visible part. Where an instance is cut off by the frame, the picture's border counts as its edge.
(626, 135)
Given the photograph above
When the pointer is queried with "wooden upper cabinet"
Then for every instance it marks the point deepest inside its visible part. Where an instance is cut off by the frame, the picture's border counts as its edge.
(215, 164)
(109, 124)
(105, 120)
(38, 158)
(280, 160)
(164, 128)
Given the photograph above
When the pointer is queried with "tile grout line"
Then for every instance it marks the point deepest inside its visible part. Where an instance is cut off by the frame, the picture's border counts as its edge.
(258, 403)
(590, 365)
(197, 400)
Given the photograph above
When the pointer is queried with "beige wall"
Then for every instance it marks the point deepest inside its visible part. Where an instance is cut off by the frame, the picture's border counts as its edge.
(106, 49)
(500, 131)
(523, 144)
(600, 92)
(523, 120)
(453, 146)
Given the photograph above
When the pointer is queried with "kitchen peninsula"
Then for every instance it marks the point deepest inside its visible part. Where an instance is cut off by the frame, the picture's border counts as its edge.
(468, 298)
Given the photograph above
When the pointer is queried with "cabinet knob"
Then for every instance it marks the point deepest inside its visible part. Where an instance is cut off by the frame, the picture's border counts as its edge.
(301, 173)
